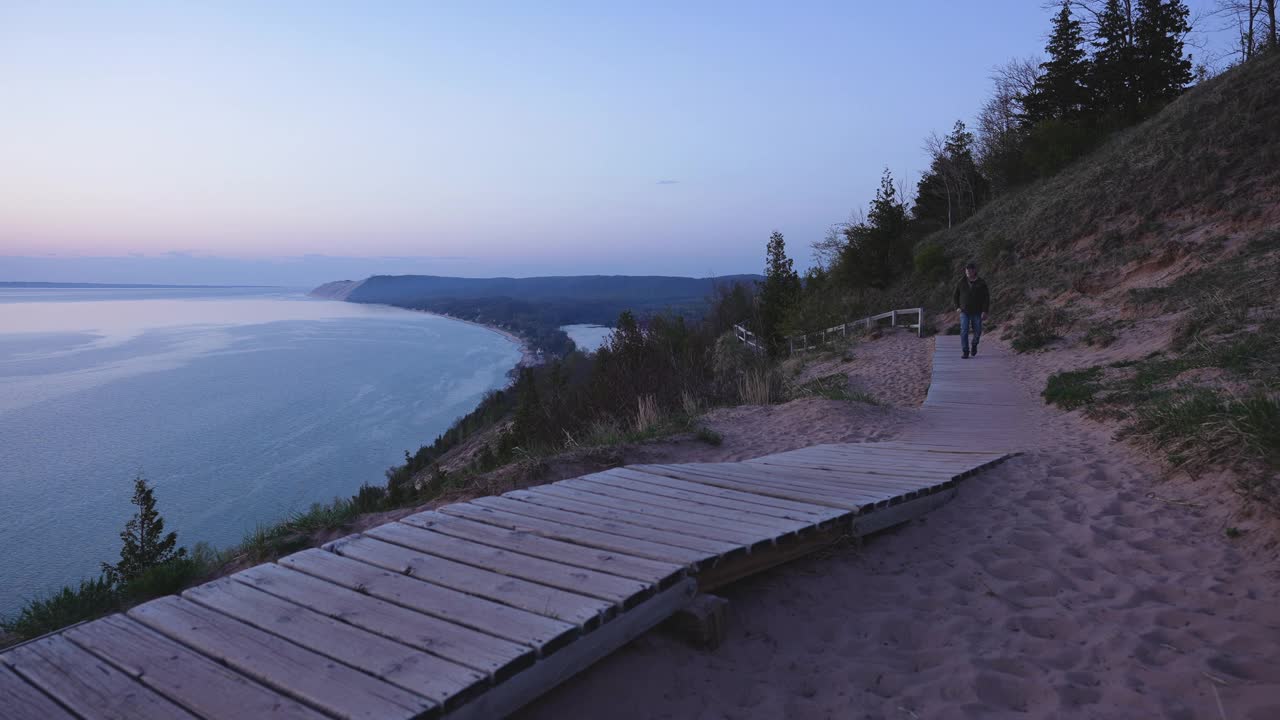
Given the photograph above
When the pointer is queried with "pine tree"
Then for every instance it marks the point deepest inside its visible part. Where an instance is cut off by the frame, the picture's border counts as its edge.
(527, 429)
(145, 544)
(779, 291)
(1162, 70)
(878, 250)
(1062, 91)
(1111, 80)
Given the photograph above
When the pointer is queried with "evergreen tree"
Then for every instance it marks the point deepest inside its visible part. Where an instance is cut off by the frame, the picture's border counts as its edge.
(1111, 80)
(1162, 70)
(526, 429)
(145, 544)
(1061, 92)
(878, 250)
(779, 291)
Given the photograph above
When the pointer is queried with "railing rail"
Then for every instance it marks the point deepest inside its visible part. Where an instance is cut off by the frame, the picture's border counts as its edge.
(810, 341)
(748, 338)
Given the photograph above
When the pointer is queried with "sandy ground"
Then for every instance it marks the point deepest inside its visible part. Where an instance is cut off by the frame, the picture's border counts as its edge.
(1069, 582)
(893, 368)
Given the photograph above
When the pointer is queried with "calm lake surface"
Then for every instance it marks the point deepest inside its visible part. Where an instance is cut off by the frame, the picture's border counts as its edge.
(239, 405)
(588, 338)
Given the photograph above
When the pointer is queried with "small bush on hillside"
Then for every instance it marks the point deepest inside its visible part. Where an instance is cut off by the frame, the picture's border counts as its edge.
(834, 387)
(91, 599)
(1072, 389)
(168, 578)
(1100, 334)
(1037, 328)
(931, 262)
(709, 436)
(1214, 312)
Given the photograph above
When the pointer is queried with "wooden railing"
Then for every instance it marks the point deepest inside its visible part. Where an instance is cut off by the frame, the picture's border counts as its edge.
(810, 341)
(802, 343)
(748, 338)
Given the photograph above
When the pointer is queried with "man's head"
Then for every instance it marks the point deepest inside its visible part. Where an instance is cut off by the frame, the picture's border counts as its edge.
(971, 271)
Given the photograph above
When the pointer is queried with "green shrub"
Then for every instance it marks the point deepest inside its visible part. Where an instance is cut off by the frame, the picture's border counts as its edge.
(931, 262)
(834, 387)
(165, 579)
(709, 436)
(1073, 388)
(91, 599)
(1100, 334)
(1038, 327)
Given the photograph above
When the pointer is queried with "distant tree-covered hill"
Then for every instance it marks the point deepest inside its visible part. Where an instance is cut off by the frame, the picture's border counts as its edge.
(536, 307)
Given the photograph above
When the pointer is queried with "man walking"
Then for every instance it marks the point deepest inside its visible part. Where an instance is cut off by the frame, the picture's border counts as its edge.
(972, 301)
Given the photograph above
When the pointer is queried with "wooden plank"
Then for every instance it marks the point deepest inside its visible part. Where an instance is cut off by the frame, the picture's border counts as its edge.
(753, 486)
(934, 446)
(831, 482)
(828, 482)
(931, 457)
(527, 543)
(511, 502)
(795, 485)
(892, 485)
(577, 580)
(86, 685)
(673, 487)
(645, 512)
(767, 523)
(22, 701)
(573, 534)
(546, 674)
(817, 481)
(486, 653)
(881, 457)
(470, 611)
(431, 677)
(869, 455)
(182, 675)
(308, 676)
(692, 511)
(827, 476)
(574, 501)
(851, 470)
(580, 610)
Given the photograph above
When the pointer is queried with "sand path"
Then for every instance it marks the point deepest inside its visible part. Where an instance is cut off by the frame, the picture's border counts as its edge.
(1064, 583)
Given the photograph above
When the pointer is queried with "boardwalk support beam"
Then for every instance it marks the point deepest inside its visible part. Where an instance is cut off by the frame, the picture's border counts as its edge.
(546, 674)
(701, 623)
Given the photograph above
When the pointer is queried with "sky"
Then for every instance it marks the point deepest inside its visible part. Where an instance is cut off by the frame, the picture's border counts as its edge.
(298, 142)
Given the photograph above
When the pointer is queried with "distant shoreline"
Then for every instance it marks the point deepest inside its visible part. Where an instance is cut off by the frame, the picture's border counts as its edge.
(126, 286)
(528, 356)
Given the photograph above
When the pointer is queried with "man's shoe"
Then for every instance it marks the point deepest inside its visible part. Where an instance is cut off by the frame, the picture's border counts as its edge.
(974, 351)
(964, 356)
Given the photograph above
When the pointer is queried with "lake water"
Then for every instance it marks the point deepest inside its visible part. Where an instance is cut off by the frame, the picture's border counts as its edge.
(588, 338)
(239, 405)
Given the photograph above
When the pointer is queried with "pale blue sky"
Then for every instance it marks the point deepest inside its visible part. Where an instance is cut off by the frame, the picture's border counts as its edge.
(508, 138)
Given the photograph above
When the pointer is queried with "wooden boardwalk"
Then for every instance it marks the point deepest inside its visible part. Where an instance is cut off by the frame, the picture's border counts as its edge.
(472, 610)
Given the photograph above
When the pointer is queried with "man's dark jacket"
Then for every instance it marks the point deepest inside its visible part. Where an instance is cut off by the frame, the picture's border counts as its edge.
(972, 297)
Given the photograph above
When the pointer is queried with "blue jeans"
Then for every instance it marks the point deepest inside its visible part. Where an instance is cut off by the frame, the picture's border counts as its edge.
(968, 321)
